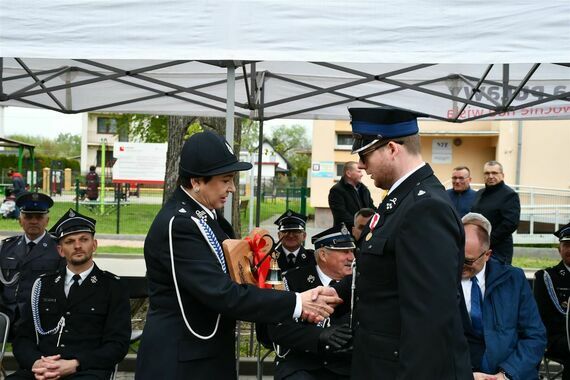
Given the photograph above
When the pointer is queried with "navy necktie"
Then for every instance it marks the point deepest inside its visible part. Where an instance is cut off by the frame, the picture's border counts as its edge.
(291, 258)
(476, 307)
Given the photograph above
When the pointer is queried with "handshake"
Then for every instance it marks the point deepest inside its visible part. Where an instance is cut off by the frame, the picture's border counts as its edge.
(319, 303)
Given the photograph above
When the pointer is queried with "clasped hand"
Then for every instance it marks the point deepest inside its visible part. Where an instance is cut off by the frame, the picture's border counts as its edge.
(319, 303)
(53, 367)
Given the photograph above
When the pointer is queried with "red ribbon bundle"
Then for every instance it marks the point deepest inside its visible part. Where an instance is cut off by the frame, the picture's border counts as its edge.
(256, 244)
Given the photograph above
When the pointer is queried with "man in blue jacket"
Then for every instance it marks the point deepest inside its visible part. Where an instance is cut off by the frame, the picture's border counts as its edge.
(461, 194)
(500, 317)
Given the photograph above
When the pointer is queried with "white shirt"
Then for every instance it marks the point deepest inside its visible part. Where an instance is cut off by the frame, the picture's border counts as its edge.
(466, 285)
(325, 280)
(37, 241)
(69, 278)
(287, 252)
(402, 179)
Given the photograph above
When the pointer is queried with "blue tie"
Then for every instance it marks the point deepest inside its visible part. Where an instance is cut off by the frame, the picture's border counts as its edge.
(476, 307)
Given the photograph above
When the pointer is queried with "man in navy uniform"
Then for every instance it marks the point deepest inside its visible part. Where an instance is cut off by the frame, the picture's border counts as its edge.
(409, 262)
(23, 258)
(292, 234)
(551, 291)
(309, 351)
(78, 323)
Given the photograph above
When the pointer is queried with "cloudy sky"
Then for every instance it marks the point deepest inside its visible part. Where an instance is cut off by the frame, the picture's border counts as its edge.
(35, 122)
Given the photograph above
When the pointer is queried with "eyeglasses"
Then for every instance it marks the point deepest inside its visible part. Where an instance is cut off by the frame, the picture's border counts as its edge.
(365, 153)
(473, 261)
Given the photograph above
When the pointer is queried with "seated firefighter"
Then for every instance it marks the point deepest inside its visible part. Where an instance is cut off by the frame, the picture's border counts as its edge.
(552, 290)
(78, 324)
(24, 257)
(309, 351)
(291, 232)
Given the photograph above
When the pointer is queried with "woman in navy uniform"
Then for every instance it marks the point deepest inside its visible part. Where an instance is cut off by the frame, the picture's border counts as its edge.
(407, 308)
(551, 291)
(189, 331)
(78, 323)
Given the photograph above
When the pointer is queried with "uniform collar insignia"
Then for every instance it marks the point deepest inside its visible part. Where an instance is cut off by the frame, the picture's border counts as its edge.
(71, 214)
(57, 279)
(562, 272)
(44, 244)
(93, 279)
(201, 214)
(303, 256)
(311, 278)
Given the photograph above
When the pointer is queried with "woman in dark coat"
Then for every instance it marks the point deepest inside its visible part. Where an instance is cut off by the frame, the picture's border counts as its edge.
(189, 332)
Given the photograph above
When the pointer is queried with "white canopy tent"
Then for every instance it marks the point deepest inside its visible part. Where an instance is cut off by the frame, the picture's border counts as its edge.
(265, 59)
(451, 60)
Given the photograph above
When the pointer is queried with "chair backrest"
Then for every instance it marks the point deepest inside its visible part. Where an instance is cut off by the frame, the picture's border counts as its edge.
(4, 329)
(138, 286)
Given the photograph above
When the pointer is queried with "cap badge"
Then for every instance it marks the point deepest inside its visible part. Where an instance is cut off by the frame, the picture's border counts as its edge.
(289, 213)
(344, 230)
(57, 279)
(182, 211)
(93, 279)
(71, 214)
(311, 278)
(229, 147)
(421, 192)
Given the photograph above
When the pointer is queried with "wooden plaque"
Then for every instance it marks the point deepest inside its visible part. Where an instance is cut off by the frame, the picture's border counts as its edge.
(239, 257)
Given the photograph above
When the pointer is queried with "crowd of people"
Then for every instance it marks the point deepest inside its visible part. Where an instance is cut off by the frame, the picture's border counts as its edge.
(420, 286)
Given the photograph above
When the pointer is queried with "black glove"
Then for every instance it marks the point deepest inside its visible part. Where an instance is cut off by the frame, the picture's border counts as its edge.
(333, 338)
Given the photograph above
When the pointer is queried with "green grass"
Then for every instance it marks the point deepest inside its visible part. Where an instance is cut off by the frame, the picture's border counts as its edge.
(119, 249)
(534, 262)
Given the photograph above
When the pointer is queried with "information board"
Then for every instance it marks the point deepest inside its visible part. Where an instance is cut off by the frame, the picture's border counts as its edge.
(139, 162)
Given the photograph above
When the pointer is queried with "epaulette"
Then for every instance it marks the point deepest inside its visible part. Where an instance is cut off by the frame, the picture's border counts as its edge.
(49, 274)
(111, 275)
(9, 239)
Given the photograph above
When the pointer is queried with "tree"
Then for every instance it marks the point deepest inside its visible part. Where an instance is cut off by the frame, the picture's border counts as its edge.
(64, 145)
(292, 143)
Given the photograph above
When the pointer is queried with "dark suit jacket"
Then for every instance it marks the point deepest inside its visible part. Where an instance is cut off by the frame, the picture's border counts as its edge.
(97, 322)
(344, 202)
(305, 257)
(553, 319)
(407, 307)
(168, 349)
(501, 205)
(43, 258)
(302, 339)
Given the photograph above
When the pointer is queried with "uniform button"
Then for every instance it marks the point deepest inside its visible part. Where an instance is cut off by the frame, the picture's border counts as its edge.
(327, 347)
(47, 308)
(68, 313)
(92, 309)
(325, 363)
(396, 354)
(357, 298)
(62, 345)
(357, 324)
(357, 274)
(65, 331)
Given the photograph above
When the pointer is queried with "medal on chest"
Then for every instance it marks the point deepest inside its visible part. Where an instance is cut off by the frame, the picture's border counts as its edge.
(373, 223)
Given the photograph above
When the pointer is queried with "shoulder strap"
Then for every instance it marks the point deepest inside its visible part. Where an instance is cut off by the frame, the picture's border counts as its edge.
(179, 298)
(552, 293)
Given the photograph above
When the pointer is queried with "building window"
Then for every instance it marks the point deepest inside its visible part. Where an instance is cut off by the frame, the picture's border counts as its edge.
(344, 141)
(339, 169)
(106, 125)
(109, 159)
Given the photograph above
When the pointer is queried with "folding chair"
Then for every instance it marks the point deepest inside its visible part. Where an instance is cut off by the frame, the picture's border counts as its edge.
(138, 294)
(4, 329)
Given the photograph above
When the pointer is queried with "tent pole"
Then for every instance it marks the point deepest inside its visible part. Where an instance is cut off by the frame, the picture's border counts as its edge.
(260, 153)
(230, 108)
